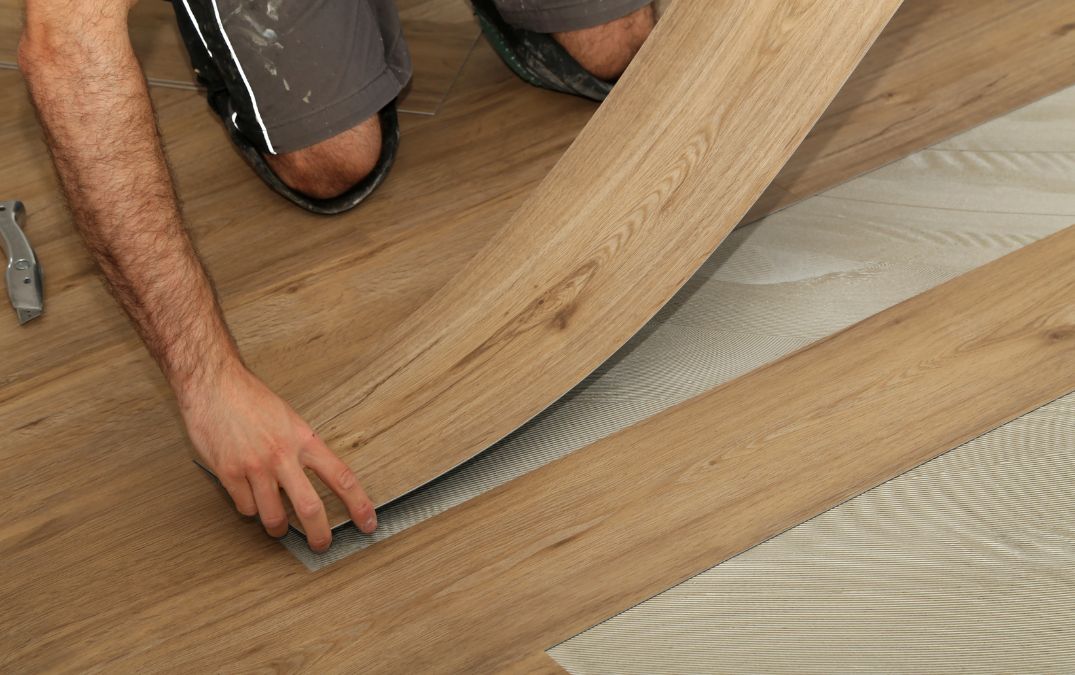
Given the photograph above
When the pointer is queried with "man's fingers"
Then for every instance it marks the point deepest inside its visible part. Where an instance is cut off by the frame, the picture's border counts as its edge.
(307, 505)
(270, 506)
(341, 480)
(242, 495)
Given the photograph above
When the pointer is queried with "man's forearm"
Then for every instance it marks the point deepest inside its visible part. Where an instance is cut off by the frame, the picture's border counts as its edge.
(92, 101)
(94, 106)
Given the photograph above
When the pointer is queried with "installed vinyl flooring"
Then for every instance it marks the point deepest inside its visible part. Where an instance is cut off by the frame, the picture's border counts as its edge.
(107, 457)
(963, 564)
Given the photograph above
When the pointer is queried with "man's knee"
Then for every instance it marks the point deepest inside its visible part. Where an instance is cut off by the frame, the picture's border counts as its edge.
(333, 166)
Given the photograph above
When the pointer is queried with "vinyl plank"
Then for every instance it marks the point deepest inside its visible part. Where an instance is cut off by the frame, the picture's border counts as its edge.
(673, 158)
(780, 284)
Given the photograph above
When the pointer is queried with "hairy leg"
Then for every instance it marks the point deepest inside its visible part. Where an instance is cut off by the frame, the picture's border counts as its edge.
(605, 50)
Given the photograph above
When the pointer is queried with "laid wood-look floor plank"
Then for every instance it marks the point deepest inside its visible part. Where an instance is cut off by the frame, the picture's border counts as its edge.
(941, 67)
(440, 34)
(662, 172)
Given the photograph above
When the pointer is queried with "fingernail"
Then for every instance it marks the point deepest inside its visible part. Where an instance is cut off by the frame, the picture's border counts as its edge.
(369, 524)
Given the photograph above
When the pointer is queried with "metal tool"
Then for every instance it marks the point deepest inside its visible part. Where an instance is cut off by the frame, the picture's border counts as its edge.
(24, 286)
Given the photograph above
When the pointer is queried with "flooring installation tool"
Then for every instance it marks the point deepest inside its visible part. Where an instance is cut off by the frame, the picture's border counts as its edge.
(675, 157)
(23, 276)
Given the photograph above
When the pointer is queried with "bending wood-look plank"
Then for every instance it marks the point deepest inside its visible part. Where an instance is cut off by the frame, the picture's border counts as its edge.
(1028, 33)
(662, 172)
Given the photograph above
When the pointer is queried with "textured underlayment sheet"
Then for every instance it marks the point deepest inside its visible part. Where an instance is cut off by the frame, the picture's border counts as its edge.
(778, 285)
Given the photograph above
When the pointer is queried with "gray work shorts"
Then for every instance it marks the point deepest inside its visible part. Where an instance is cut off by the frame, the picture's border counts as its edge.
(298, 72)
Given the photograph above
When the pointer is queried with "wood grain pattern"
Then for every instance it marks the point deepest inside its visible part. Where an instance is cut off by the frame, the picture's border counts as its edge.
(664, 499)
(670, 163)
(440, 34)
(487, 584)
(116, 550)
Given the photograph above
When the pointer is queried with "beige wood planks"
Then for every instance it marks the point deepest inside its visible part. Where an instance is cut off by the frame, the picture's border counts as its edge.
(115, 549)
(440, 34)
(663, 171)
(516, 570)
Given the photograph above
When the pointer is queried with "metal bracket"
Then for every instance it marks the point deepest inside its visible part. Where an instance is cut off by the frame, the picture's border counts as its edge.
(24, 283)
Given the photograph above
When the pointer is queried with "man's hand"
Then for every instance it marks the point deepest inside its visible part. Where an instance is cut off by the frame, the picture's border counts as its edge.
(257, 444)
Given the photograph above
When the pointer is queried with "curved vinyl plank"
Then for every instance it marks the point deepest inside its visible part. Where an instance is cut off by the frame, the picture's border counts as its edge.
(713, 106)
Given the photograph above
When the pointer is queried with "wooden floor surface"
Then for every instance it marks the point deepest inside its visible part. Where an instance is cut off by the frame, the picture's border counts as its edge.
(535, 561)
(440, 34)
(114, 545)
